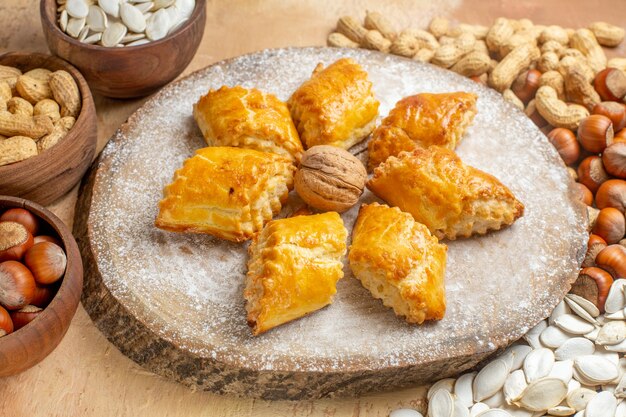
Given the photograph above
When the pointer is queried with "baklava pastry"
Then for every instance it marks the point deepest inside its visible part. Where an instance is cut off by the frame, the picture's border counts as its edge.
(422, 120)
(336, 106)
(452, 199)
(247, 118)
(293, 269)
(399, 262)
(226, 192)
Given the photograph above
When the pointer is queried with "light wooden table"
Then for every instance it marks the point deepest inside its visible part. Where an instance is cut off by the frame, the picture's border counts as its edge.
(86, 375)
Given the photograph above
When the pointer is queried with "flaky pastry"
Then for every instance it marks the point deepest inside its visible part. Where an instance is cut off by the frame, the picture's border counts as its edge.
(422, 120)
(452, 199)
(336, 106)
(399, 262)
(293, 269)
(226, 192)
(235, 116)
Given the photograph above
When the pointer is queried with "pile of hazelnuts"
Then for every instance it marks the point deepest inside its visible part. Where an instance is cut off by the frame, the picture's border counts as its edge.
(596, 156)
(32, 263)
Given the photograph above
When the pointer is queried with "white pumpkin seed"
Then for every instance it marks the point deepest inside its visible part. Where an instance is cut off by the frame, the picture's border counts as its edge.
(612, 333)
(177, 25)
(97, 19)
(577, 346)
(463, 389)
(445, 384)
(110, 7)
(490, 379)
(139, 42)
(562, 370)
(74, 26)
(616, 316)
(132, 18)
(532, 336)
(95, 38)
(561, 410)
(514, 386)
(158, 25)
(592, 335)
(616, 300)
(441, 404)
(543, 394)
(573, 324)
(131, 37)
(579, 398)
(497, 400)
(620, 411)
(63, 19)
(613, 357)
(553, 337)
(610, 388)
(581, 413)
(113, 34)
(572, 384)
(515, 411)
(77, 8)
(185, 7)
(144, 7)
(580, 311)
(538, 364)
(459, 409)
(596, 369)
(83, 34)
(584, 303)
(560, 309)
(496, 412)
(405, 412)
(159, 4)
(601, 405)
(478, 408)
(514, 356)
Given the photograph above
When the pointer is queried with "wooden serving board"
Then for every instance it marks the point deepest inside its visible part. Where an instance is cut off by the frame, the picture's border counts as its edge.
(174, 303)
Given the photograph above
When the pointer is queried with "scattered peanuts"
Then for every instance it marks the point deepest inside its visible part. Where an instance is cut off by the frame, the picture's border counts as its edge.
(37, 110)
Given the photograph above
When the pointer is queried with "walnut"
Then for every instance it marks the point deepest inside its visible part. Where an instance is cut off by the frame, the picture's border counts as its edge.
(330, 178)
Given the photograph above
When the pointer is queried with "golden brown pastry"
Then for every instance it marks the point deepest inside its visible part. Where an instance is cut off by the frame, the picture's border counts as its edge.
(293, 269)
(422, 120)
(226, 192)
(235, 116)
(336, 106)
(399, 262)
(452, 199)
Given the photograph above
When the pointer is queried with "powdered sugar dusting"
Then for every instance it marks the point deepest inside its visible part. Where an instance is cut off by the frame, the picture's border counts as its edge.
(188, 288)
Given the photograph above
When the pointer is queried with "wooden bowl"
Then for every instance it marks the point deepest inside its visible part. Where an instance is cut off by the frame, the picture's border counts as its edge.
(46, 177)
(130, 71)
(29, 345)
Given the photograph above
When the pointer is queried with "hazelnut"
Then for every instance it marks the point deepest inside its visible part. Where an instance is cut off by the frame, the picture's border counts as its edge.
(612, 193)
(610, 225)
(592, 216)
(42, 296)
(24, 315)
(17, 285)
(614, 159)
(593, 284)
(6, 324)
(620, 136)
(610, 83)
(526, 85)
(330, 178)
(613, 260)
(46, 238)
(584, 195)
(23, 217)
(614, 111)
(46, 261)
(565, 143)
(591, 173)
(594, 246)
(15, 240)
(595, 133)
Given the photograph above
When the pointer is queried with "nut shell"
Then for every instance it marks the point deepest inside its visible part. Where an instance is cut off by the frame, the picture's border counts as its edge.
(565, 143)
(612, 193)
(614, 111)
(595, 133)
(610, 225)
(613, 260)
(6, 324)
(17, 285)
(15, 240)
(46, 261)
(591, 173)
(614, 159)
(330, 178)
(593, 284)
(610, 83)
(23, 217)
(24, 315)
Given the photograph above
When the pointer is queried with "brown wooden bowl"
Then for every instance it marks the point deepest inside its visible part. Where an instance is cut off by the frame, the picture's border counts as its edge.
(46, 177)
(29, 345)
(130, 71)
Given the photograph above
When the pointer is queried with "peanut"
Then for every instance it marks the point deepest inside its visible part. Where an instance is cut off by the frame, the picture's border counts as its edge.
(65, 93)
(351, 28)
(525, 24)
(549, 61)
(607, 34)
(519, 38)
(376, 21)
(373, 39)
(439, 26)
(5, 91)
(17, 125)
(556, 112)
(67, 122)
(48, 141)
(619, 63)
(446, 40)
(481, 46)
(9, 72)
(479, 31)
(555, 80)
(585, 41)
(498, 34)
(447, 55)
(579, 91)
(16, 148)
(405, 45)
(425, 39)
(454, 32)
(19, 106)
(568, 63)
(424, 55)
(554, 33)
(340, 41)
(573, 53)
(473, 64)
(510, 96)
(465, 42)
(40, 74)
(48, 108)
(32, 89)
(509, 68)
(552, 46)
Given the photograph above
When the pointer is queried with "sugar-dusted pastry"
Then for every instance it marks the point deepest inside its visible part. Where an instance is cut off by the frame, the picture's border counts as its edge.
(226, 192)
(422, 120)
(235, 116)
(399, 262)
(452, 199)
(293, 269)
(336, 106)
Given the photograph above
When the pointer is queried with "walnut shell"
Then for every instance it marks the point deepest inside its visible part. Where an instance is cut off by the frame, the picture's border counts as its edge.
(330, 178)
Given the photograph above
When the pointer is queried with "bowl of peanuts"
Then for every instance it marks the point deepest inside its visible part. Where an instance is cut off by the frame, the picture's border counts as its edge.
(48, 128)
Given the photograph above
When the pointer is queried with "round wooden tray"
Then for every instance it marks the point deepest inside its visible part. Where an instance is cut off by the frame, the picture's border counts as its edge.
(174, 303)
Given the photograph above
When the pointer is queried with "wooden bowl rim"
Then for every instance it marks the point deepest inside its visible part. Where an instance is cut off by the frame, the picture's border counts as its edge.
(73, 257)
(86, 104)
(56, 31)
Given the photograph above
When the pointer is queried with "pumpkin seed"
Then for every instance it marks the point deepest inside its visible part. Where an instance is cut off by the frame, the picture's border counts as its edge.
(532, 336)
(561, 410)
(577, 346)
(478, 408)
(132, 18)
(573, 324)
(496, 412)
(562, 370)
(616, 300)
(616, 316)
(63, 19)
(97, 19)
(445, 384)
(139, 42)
(515, 411)
(460, 410)
(83, 34)
(110, 7)
(560, 309)
(596, 369)
(113, 34)
(514, 386)
(580, 311)
(538, 364)
(441, 404)
(584, 303)
(185, 7)
(144, 7)
(405, 412)
(159, 4)
(463, 389)
(95, 38)
(592, 335)
(514, 356)
(490, 379)
(77, 8)
(579, 398)
(553, 337)
(601, 405)
(497, 400)
(74, 26)
(158, 25)
(620, 389)
(543, 394)
(612, 333)
(572, 384)
(620, 411)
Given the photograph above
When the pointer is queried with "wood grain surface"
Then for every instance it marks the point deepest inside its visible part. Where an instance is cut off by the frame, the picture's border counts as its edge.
(86, 375)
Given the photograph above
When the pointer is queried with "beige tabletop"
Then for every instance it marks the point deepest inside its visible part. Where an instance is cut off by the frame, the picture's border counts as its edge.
(88, 376)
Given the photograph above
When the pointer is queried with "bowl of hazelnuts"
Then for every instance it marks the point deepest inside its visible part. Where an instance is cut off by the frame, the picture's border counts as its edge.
(41, 279)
